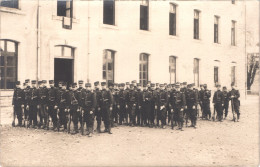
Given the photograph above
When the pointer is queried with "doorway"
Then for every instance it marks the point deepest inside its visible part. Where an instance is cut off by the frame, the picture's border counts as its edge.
(63, 70)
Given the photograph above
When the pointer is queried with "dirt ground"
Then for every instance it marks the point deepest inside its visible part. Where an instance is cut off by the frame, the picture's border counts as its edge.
(211, 144)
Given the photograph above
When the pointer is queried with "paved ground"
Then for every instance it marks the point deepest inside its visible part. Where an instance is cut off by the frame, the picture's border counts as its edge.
(212, 144)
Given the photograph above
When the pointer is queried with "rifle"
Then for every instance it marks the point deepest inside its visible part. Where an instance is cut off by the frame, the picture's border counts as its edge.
(233, 112)
(82, 122)
(13, 123)
(213, 118)
(58, 120)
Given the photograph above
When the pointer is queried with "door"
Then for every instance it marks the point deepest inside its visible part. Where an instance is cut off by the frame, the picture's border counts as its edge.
(63, 70)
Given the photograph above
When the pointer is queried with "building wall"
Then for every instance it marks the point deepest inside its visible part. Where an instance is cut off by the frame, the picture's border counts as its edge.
(90, 37)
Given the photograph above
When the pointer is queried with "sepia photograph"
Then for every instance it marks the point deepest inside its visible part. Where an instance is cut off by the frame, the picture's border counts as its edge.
(129, 83)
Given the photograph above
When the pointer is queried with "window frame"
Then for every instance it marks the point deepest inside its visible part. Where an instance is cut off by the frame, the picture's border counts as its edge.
(4, 53)
(173, 19)
(196, 70)
(106, 70)
(114, 11)
(216, 75)
(66, 8)
(216, 29)
(196, 24)
(173, 66)
(233, 33)
(143, 60)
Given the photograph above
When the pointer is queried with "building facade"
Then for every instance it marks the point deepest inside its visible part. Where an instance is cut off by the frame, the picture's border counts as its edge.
(159, 41)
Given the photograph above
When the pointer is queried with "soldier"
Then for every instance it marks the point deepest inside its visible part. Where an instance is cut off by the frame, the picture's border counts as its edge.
(33, 105)
(235, 102)
(154, 108)
(139, 104)
(18, 103)
(168, 110)
(43, 92)
(89, 108)
(149, 86)
(157, 87)
(80, 99)
(147, 100)
(63, 108)
(51, 102)
(98, 105)
(74, 107)
(111, 88)
(226, 100)
(197, 97)
(178, 104)
(191, 101)
(132, 104)
(115, 105)
(201, 92)
(162, 106)
(126, 98)
(26, 91)
(106, 106)
(218, 100)
(206, 102)
(121, 103)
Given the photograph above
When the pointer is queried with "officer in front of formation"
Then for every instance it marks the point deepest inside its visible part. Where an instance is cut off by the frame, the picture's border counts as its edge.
(218, 100)
(106, 107)
(235, 102)
(178, 104)
(18, 103)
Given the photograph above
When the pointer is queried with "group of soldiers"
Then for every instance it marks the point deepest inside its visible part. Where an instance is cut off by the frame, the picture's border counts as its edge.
(151, 105)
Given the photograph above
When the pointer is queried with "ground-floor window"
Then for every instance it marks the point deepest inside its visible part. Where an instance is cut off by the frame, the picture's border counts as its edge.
(108, 65)
(143, 68)
(8, 64)
(172, 69)
(196, 71)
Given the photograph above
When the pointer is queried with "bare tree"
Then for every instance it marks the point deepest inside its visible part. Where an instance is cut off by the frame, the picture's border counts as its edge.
(252, 68)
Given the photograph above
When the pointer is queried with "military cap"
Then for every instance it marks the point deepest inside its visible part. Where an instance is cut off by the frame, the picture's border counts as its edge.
(103, 83)
(177, 85)
(152, 85)
(80, 82)
(17, 83)
(149, 82)
(64, 83)
(74, 85)
(144, 85)
(173, 85)
(116, 84)
(27, 80)
(184, 83)
(165, 84)
(51, 81)
(189, 85)
(218, 85)
(60, 82)
(232, 84)
(161, 85)
(224, 87)
(122, 84)
(127, 83)
(96, 83)
(33, 81)
(87, 84)
(44, 81)
(131, 85)
(138, 84)
(193, 84)
(134, 81)
(110, 84)
(24, 84)
(201, 85)
(205, 85)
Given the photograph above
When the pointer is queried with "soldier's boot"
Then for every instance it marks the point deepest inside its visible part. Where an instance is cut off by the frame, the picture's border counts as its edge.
(238, 116)
(109, 130)
(181, 126)
(98, 128)
(87, 131)
(76, 130)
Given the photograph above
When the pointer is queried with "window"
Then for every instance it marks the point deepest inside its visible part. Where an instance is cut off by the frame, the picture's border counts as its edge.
(109, 12)
(65, 8)
(196, 24)
(8, 64)
(172, 19)
(143, 68)
(233, 74)
(196, 71)
(10, 3)
(108, 65)
(233, 33)
(216, 75)
(144, 15)
(216, 25)
(172, 69)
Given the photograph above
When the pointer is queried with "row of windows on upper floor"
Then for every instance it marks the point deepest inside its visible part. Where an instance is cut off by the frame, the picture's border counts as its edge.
(65, 9)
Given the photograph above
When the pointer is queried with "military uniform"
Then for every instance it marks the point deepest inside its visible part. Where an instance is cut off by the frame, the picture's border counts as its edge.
(33, 104)
(132, 105)
(43, 92)
(122, 103)
(80, 99)
(162, 106)
(98, 105)
(206, 94)
(115, 93)
(191, 101)
(89, 106)
(235, 102)
(18, 103)
(218, 100)
(51, 102)
(226, 101)
(154, 108)
(26, 91)
(147, 103)
(126, 97)
(106, 107)
(139, 108)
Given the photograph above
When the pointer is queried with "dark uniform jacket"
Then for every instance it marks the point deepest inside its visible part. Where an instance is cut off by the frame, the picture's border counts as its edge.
(115, 94)
(226, 96)
(236, 95)
(162, 98)
(98, 97)
(18, 97)
(62, 99)
(34, 96)
(218, 97)
(80, 97)
(147, 96)
(27, 96)
(52, 99)
(90, 100)
(107, 98)
(43, 93)
(139, 97)
(72, 100)
(177, 100)
(206, 94)
(191, 98)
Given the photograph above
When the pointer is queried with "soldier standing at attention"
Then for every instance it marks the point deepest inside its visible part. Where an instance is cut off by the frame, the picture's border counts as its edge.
(168, 110)
(121, 103)
(26, 99)
(52, 92)
(43, 93)
(154, 107)
(106, 107)
(234, 96)
(178, 104)
(33, 104)
(226, 101)
(98, 105)
(191, 101)
(126, 97)
(132, 104)
(162, 105)
(89, 108)
(18, 103)
(139, 109)
(201, 92)
(147, 100)
(80, 91)
(218, 100)
(206, 102)
(115, 105)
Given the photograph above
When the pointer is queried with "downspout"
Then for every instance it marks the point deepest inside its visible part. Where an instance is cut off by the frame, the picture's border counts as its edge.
(37, 42)
(88, 46)
(245, 53)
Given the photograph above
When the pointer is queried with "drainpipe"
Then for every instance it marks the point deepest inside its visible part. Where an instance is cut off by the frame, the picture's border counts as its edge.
(88, 46)
(37, 43)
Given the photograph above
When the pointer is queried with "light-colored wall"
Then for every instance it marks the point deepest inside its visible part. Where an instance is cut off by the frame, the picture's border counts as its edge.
(90, 37)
